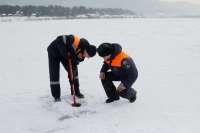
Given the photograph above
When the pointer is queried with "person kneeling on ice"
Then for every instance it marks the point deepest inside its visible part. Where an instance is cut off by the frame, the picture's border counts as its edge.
(122, 69)
(69, 50)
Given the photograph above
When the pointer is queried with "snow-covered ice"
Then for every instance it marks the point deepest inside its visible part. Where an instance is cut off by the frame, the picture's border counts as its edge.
(166, 52)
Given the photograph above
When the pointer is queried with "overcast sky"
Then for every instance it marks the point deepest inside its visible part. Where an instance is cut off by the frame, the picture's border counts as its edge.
(189, 1)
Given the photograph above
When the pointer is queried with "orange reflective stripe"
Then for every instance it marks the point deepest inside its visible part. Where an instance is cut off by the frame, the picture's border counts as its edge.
(76, 41)
(116, 62)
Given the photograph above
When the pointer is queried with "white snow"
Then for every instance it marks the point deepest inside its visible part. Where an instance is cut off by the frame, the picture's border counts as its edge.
(166, 52)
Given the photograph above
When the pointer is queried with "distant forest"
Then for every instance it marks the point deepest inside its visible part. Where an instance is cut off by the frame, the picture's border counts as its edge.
(38, 11)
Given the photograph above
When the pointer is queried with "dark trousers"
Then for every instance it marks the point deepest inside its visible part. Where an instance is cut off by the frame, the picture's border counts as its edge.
(110, 88)
(55, 58)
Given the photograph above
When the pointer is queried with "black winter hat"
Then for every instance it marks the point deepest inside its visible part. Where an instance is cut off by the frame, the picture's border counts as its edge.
(105, 49)
(91, 50)
(84, 42)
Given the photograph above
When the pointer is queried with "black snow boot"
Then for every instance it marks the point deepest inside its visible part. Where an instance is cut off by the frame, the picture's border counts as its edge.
(133, 97)
(57, 99)
(55, 91)
(112, 99)
(129, 94)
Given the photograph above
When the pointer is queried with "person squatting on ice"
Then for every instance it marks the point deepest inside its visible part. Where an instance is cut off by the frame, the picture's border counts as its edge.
(63, 49)
(122, 69)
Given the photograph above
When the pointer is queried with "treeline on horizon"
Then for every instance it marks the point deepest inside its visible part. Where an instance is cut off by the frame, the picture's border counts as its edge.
(55, 10)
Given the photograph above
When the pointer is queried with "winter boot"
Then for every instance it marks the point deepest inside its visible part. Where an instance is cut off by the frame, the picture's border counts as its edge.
(55, 91)
(133, 97)
(129, 94)
(57, 99)
(112, 99)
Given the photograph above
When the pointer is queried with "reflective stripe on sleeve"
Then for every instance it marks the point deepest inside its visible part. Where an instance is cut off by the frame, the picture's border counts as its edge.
(54, 82)
(64, 39)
